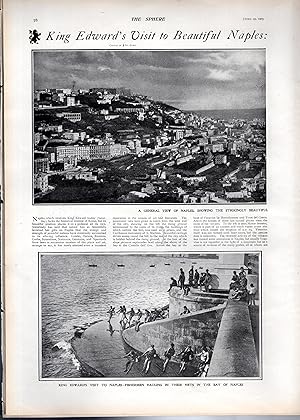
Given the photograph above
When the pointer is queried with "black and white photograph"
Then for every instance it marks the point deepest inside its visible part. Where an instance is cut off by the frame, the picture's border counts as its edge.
(142, 126)
(160, 315)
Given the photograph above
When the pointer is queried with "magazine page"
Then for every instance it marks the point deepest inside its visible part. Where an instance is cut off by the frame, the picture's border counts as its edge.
(150, 208)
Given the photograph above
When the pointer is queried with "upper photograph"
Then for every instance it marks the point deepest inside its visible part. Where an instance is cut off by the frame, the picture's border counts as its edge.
(140, 126)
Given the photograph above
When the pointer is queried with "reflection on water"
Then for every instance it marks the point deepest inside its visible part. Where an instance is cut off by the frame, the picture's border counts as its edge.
(74, 293)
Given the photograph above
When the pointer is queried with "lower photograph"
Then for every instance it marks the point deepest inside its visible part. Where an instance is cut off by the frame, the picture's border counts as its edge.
(145, 316)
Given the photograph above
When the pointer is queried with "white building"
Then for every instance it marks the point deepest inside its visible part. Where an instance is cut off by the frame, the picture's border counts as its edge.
(41, 182)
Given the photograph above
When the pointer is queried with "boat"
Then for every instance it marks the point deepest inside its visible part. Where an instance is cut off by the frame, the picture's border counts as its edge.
(153, 265)
(93, 265)
(120, 265)
(167, 264)
(209, 256)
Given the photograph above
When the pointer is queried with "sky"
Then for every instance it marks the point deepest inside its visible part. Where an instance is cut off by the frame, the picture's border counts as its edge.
(189, 80)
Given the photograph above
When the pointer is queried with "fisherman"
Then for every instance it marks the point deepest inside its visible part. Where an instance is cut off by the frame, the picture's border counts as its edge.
(172, 284)
(196, 278)
(165, 312)
(168, 356)
(181, 279)
(120, 310)
(185, 311)
(242, 277)
(202, 282)
(123, 317)
(132, 358)
(235, 277)
(203, 366)
(111, 312)
(239, 293)
(186, 355)
(138, 322)
(191, 276)
(186, 289)
(156, 314)
(250, 269)
(242, 272)
(251, 293)
(235, 281)
(130, 314)
(207, 280)
(147, 315)
(150, 353)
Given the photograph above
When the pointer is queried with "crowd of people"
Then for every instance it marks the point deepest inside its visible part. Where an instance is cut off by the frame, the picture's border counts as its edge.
(201, 360)
(135, 318)
(239, 289)
(195, 279)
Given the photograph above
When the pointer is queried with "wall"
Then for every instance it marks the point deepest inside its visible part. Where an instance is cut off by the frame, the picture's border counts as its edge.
(195, 301)
(236, 259)
(196, 329)
(234, 352)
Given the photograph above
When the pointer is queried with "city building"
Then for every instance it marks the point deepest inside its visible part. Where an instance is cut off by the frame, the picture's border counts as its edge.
(84, 175)
(41, 182)
(71, 116)
(41, 164)
(220, 159)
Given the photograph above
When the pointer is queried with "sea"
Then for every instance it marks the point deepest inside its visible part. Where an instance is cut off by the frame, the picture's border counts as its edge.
(74, 293)
(230, 114)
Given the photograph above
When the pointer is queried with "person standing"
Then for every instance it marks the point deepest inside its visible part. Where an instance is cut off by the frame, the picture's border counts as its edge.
(252, 292)
(196, 278)
(138, 322)
(130, 314)
(123, 318)
(181, 279)
(191, 276)
(168, 356)
(207, 280)
(110, 312)
(250, 268)
(202, 282)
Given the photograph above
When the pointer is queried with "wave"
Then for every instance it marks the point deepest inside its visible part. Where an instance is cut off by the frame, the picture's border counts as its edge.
(67, 352)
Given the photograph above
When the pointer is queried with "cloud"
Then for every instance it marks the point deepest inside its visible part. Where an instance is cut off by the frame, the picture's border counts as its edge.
(244, 61)
(220, 75)
(192, 79)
